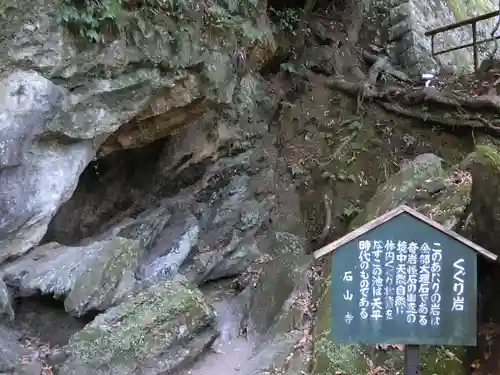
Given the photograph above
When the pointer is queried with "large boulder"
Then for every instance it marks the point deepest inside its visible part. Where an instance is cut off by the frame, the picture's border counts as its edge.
(159, 330)
(484, 166)
(482, 227)
(404, 23)
(93, 276)
(35, 177)
(401, 187)
(443, 196)
(71, 95)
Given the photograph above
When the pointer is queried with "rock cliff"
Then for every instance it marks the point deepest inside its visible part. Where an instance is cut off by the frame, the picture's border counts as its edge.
(404, 23)
(167, 168)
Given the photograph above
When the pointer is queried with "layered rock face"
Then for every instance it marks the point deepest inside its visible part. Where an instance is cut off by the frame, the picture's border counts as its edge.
(64, 107)
(60, 103)
(404, 23)
(144, 199)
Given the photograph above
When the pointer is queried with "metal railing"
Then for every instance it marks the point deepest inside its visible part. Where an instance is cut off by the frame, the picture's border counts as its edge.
(471, 21)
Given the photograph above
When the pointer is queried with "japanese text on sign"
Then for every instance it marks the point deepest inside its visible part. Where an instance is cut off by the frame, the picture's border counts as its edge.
(400, 279)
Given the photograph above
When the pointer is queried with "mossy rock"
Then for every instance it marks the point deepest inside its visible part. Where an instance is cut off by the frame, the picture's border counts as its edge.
(464, 9)
(401, 187)
(154, 326)
(484, 166)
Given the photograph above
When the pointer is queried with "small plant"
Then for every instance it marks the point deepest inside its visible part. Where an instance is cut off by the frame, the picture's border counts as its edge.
(353, 124)
(94, 20)
(340, 176)
(352, 209)
(288, 20)
(288, 67)
(89, 18)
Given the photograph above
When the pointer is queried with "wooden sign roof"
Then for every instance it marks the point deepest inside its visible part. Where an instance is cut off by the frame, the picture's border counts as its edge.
(391, 215)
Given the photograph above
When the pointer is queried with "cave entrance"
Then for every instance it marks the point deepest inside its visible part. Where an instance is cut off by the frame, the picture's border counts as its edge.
(44, 320)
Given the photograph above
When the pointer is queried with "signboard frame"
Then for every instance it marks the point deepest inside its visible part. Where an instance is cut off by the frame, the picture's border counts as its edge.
(466, 253)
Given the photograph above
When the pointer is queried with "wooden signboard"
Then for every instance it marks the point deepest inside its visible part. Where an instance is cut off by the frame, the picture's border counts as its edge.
(404, 279)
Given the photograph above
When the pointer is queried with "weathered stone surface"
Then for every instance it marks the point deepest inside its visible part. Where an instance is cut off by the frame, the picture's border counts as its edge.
(28, 103)
(6, 310)
(88, 278)
(445, 200)
(171, 249)
(93, 276)
(32, 192)
(215, 237)
(406, 21)
(15, 359)
(108, 103)
(484, 166)
(401, 187)
(160, 329)
(147, 84)
(173, 108)
(31, 38)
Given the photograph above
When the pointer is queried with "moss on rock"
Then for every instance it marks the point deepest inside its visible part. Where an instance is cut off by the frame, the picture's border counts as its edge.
(484, 166)
(463, 9)
(99, 285)
(400, 187)
(144, 327)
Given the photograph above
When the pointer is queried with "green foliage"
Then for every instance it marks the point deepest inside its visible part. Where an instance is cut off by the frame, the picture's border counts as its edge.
(96, 20)
(344, 359)
(90, 18)
(288, 19)
(352, 209)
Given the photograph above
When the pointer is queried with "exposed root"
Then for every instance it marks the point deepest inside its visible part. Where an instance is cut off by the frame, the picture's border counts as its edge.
(399, 100)
(383, 65)
(328, 220)
(408, 101)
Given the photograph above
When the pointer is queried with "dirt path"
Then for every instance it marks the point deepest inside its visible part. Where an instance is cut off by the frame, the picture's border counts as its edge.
(231, 350)
(225, 358)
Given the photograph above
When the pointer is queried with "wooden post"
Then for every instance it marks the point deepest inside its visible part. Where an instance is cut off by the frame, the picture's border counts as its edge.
(474, 47)
(412, 360)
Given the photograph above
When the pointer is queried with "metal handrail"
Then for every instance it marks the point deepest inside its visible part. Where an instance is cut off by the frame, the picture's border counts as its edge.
(471, 21)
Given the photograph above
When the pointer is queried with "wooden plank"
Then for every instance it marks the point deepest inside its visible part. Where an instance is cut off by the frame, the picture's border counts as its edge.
(388, 216)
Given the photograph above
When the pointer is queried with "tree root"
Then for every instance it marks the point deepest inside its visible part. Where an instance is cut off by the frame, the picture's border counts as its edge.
(382, 64)
(393, 99)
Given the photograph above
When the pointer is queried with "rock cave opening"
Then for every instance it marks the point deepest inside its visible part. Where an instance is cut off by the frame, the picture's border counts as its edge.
(44, 318)
(120, 185)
